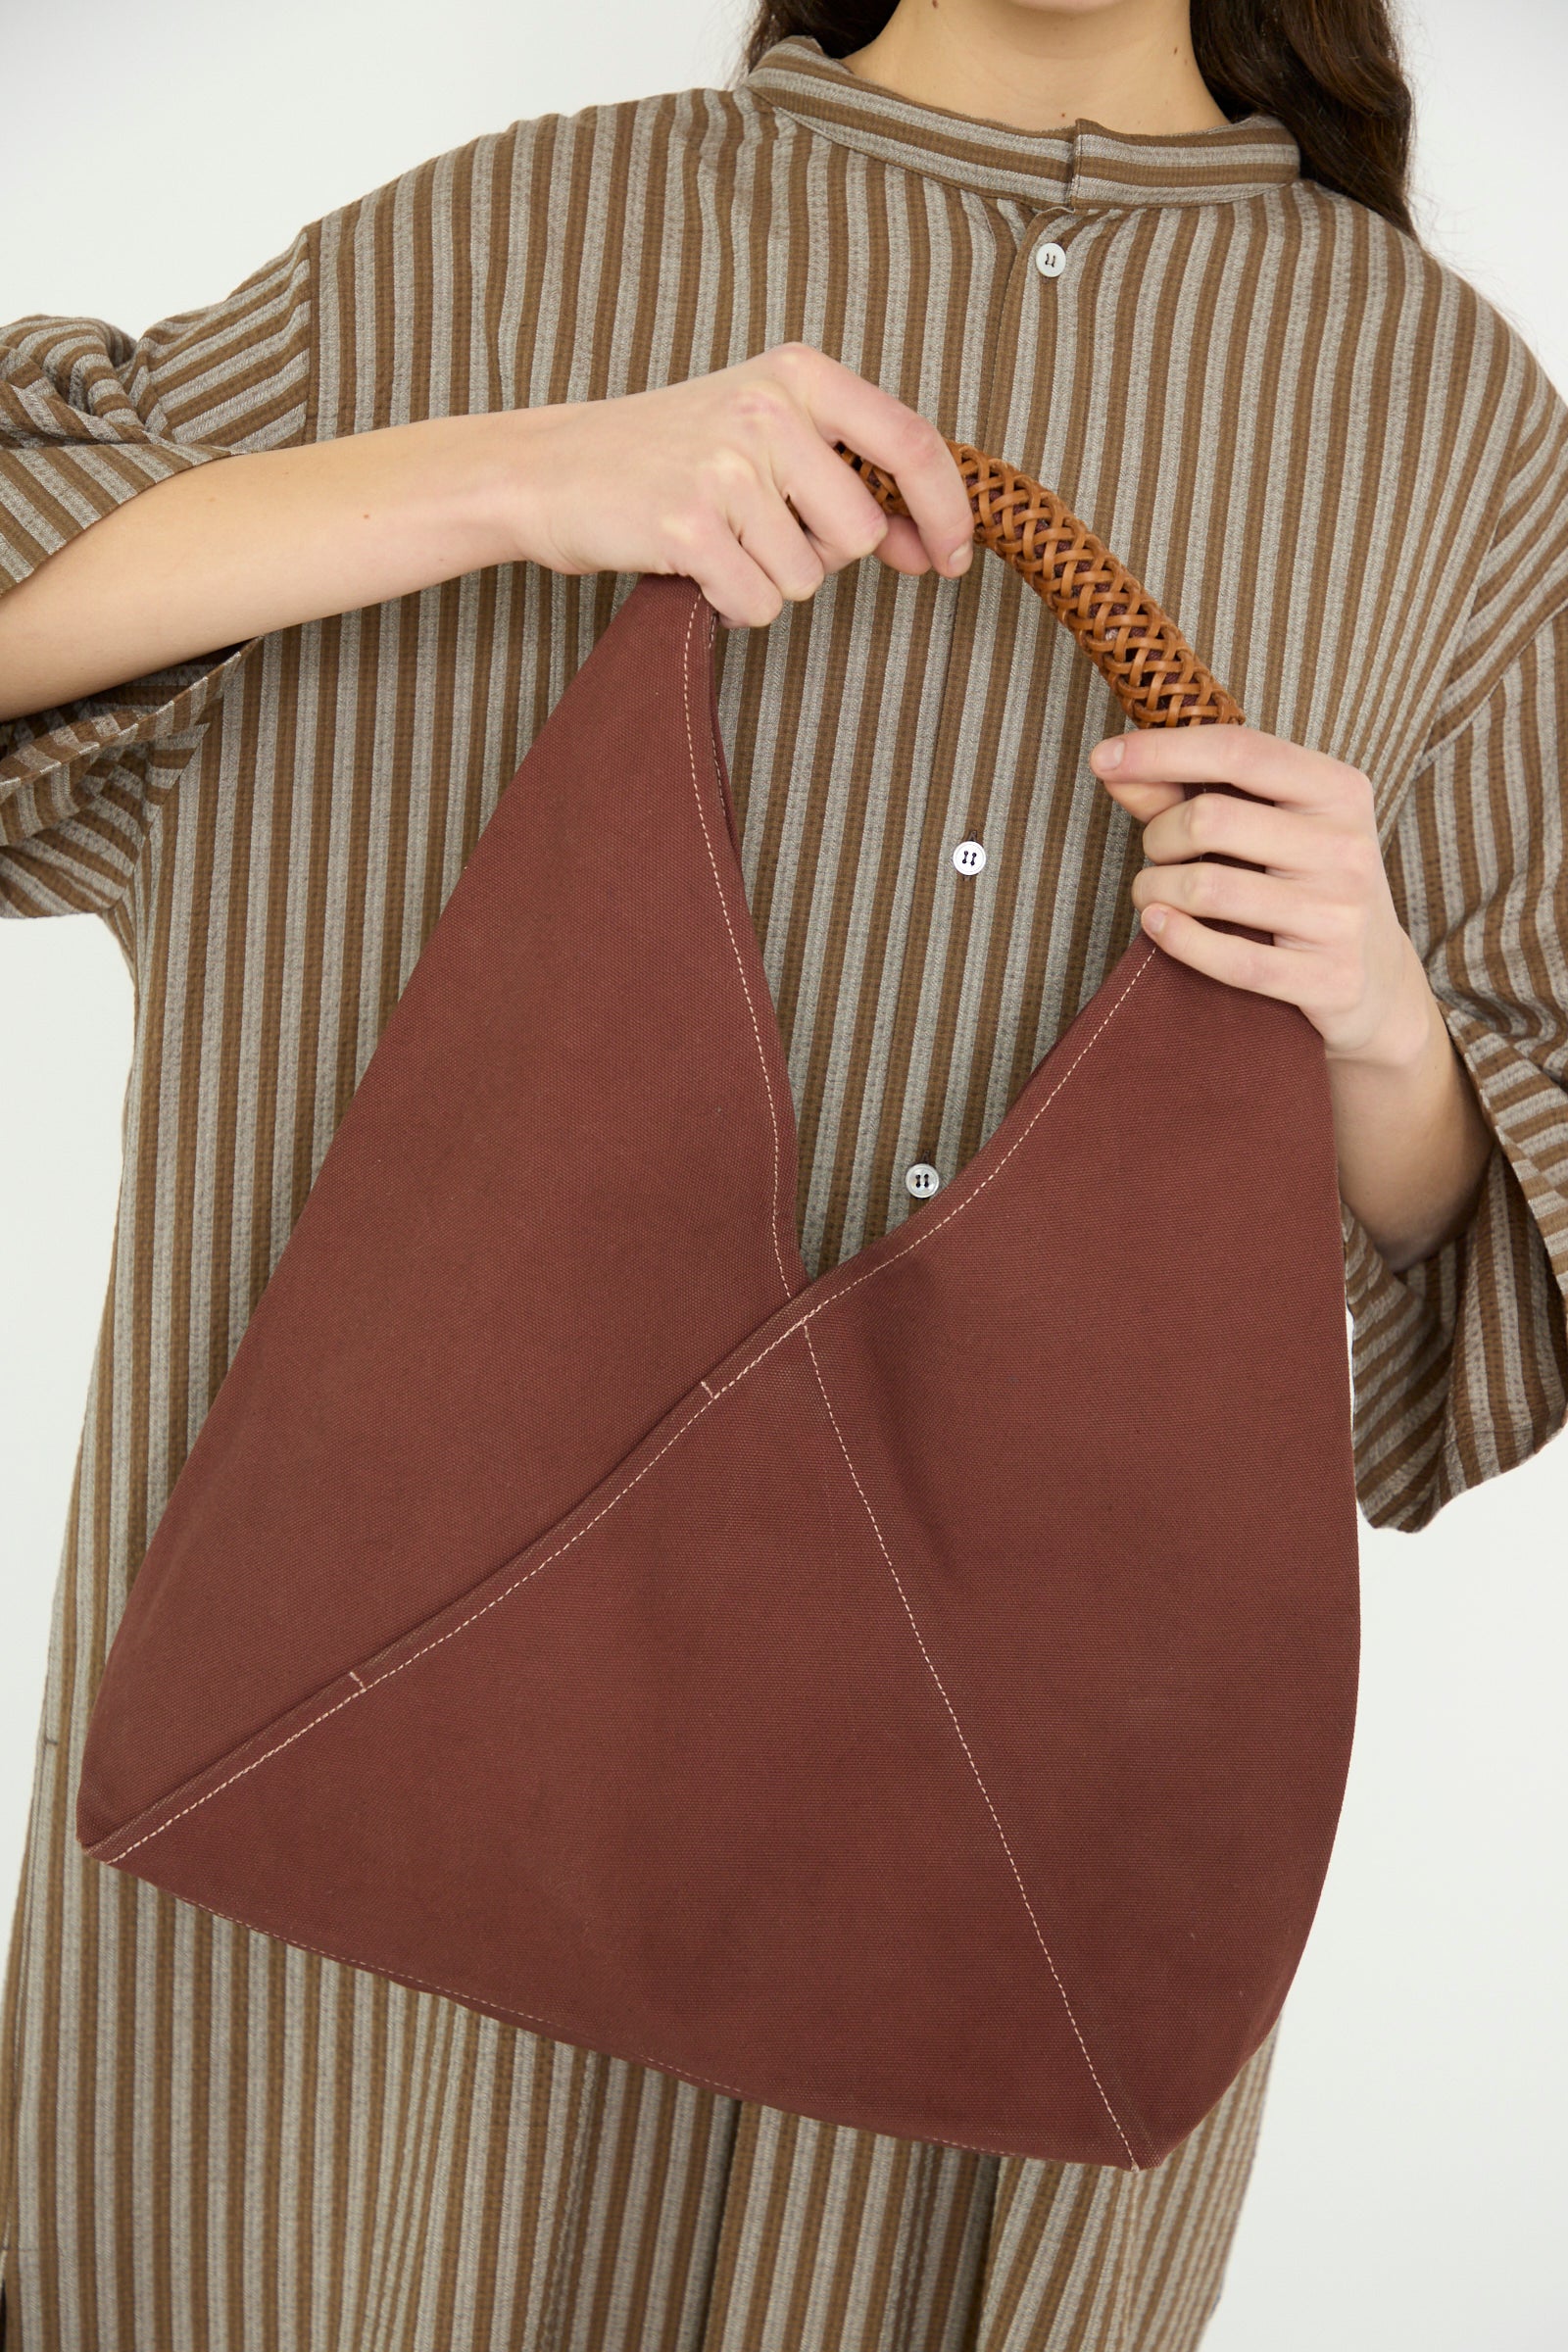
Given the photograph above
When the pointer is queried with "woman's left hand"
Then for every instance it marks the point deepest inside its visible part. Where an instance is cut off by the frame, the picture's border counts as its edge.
(1340, 951)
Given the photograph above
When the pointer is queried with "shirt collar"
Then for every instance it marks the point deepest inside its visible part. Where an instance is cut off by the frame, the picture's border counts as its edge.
(1076, 170)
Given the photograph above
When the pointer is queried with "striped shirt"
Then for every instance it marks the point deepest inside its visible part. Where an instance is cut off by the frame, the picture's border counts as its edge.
(1345, 477)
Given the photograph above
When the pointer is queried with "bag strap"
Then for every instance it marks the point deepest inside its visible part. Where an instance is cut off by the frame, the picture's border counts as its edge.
(1150, 669)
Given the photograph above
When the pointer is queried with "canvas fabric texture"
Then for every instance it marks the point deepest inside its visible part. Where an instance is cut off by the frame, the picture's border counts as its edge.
(552, 1525)
(1338, 467)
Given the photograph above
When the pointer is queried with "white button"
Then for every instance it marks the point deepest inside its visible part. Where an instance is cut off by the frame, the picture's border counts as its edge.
(1049, 260)
(922, 1179)
(969, 857)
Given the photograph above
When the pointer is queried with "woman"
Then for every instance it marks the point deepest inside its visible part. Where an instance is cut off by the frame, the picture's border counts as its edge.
(1165, 267)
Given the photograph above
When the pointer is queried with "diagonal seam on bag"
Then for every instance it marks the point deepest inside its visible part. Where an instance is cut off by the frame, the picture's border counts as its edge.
(1012, 1863)
(920, 1231)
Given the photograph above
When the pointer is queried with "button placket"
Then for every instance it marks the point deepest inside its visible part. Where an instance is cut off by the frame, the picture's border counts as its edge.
(922, 1178)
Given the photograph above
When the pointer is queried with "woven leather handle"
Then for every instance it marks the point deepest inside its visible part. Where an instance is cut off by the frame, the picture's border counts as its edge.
(1150, 669)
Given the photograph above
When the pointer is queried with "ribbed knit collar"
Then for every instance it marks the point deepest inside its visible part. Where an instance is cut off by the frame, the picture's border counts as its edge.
(1076, 170)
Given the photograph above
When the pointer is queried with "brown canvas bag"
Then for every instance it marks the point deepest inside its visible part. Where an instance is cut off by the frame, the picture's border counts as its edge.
(918, 1697)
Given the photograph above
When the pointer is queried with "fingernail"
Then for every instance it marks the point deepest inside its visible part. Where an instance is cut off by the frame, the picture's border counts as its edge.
(960, 557)
(1108, 755)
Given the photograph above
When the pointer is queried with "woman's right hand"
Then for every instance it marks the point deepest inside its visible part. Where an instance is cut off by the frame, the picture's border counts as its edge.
(732, 478)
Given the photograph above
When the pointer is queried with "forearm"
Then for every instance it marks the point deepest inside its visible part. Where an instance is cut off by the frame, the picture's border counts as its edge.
(238, 546)
(1411, 1139)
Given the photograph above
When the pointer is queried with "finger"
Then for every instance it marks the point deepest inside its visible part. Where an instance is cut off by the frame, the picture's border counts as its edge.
(844, 408)
(772, 536)
(1236, 894)
(740, 590)
(1268, 971)
(1213, 823)
(1143, 801)
(1223, 755)
(837, 510)
(843, 528)
(904, 549)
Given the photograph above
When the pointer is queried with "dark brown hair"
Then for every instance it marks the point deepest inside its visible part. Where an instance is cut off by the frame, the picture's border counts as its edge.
(1328, 70)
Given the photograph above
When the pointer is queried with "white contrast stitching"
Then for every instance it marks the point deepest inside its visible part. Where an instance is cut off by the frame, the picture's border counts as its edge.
(366, 1688)
(740, 962)
(921, 1229)
(968, 1751)
(918, 1230)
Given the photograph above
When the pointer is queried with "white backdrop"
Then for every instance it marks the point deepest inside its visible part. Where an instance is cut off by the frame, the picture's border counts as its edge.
(1407, 2172)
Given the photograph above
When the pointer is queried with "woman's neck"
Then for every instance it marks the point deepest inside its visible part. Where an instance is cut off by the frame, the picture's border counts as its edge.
(1038, 65)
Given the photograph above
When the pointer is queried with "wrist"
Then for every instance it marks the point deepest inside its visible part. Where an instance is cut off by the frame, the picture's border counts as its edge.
(1408, 1037)
(1412, 1141)
(495, 478)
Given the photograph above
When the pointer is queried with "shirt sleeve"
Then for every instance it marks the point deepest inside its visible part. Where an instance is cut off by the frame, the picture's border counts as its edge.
(1460, 1362)
(89, 417)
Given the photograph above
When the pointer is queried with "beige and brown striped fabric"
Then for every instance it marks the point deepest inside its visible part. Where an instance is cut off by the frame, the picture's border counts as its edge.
(1344, 474)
